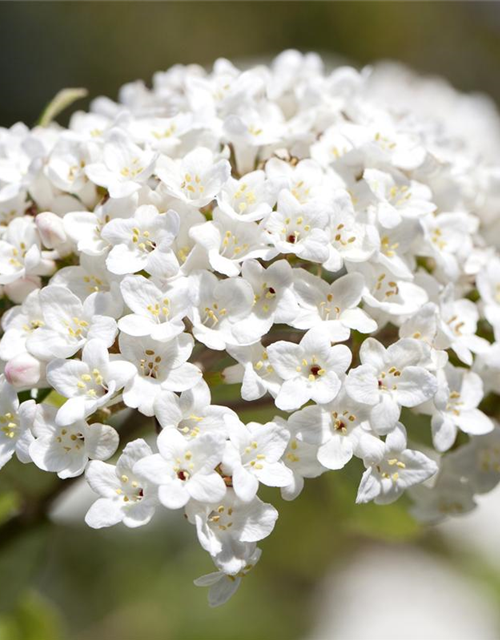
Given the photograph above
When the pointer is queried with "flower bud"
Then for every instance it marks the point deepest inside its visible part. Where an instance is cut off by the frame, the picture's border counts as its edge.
(24, 371)
(51, 229)
(18, 290)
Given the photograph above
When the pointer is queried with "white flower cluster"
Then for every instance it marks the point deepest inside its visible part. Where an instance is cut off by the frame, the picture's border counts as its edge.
(283, 216)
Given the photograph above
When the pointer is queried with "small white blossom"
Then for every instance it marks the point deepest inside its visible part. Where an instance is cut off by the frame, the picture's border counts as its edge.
(124, 495)
(392, 468)
(66, 450)
(311, 370)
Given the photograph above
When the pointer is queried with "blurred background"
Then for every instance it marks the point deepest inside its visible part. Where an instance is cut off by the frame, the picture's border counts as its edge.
(331, 570)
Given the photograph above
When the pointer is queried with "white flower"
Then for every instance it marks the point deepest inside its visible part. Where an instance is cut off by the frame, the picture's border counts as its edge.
(299, 229)
(274, 299)
(185, 469)
(387, 293)
(88, 384)
(445, 237)
(196, 179)
(448, 496)
(397, 197)
(125, 496)
(332, 307)
(92, 276)
(306, 180)
(124, 166)
(191, 413)
(302, 460)
(159, 366)
(85, 227)
(253, 370)
(68, 324)
(248, 199)
(251, 129)
(226, 527)
(138, 240)
(18, 323)
(20, 252)
(253, 455)
(156, 312)
(222, 585)
(217, 308)
(396, 248)
(392, 468)
(311, 370)
(389, 379)
(457, 327)
(15, 423)
(67, 164)
(66, 450)
(335, 429)
(229, 242)
(350, 239)
(478, 461)
(455, 407)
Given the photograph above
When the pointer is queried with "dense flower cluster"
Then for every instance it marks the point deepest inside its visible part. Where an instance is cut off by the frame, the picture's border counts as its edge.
(279, 228)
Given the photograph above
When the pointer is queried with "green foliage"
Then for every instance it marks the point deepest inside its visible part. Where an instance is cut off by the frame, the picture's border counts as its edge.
(32, 619)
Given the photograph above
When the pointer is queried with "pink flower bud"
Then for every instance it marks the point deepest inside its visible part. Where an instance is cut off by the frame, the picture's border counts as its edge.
(24, 371)
(51, 229)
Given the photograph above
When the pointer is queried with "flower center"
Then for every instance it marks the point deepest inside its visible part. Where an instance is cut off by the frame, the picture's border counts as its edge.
(150, 365)
(9, 425)
(220, 518)
(142, 240)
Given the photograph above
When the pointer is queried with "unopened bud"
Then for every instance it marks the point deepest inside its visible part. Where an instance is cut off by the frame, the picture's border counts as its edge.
(51, 229)
(24, 371)
(18, 290)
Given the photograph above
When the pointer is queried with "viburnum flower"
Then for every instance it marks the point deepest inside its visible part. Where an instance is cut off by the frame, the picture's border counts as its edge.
(20, 252)
(335, 428)
(334, 308)
(256, 374)
(88, 384)
(136, 241)
(229, 242)
(66, 450)
(125, 496)
(389, 379)
(196, 179)
(15, 422)
(455, 407)
(156, 312)
(67, 324)
(191, 413)
(392, 468)
(184, 469)
(218, 307)
(223, 585)
(253, 454)
(124, 166)
(249, 199)
(310, 370)
(299, 228)
(317, 240)
(227, 527)
(158, 366)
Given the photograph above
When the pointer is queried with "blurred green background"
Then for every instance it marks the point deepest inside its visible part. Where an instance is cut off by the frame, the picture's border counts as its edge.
(64, 581)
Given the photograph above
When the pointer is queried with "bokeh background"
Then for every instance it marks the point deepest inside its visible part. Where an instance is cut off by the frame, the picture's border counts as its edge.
(331, 570)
